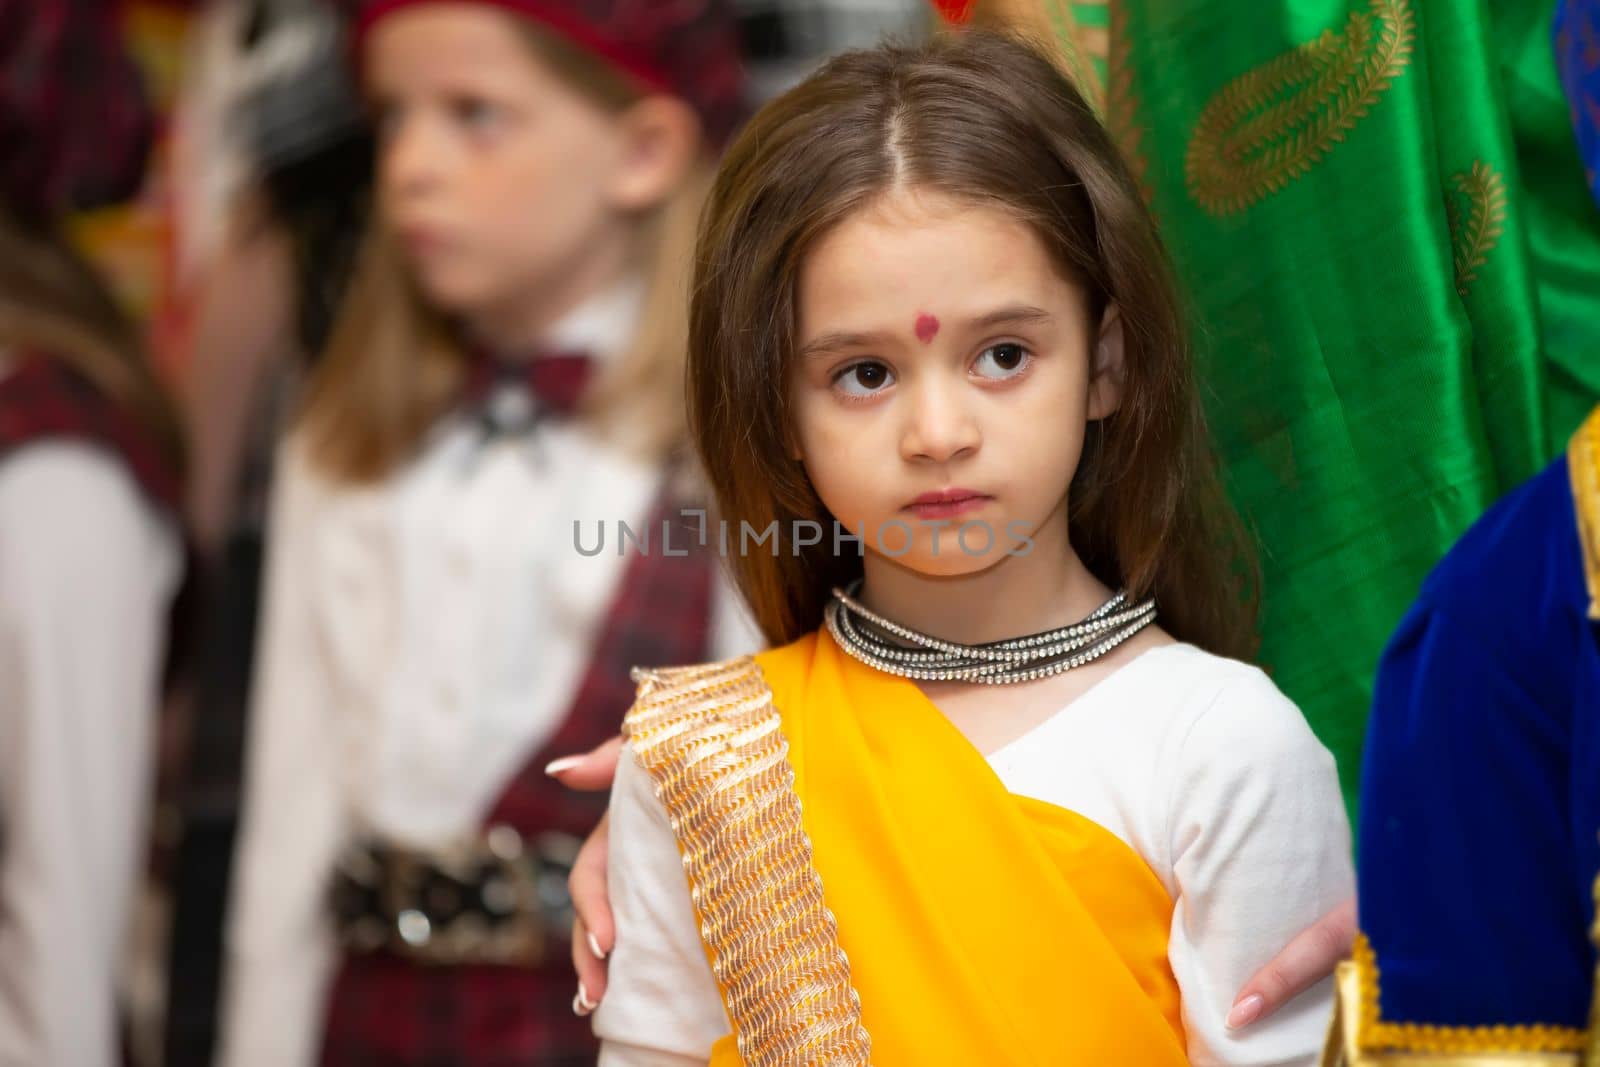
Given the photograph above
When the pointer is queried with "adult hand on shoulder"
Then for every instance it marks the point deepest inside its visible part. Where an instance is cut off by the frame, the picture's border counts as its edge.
(1304, 962)
(593, 934)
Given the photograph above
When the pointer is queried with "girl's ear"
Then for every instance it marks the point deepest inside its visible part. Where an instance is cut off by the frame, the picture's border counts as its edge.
(660, 142)
(1107, 371)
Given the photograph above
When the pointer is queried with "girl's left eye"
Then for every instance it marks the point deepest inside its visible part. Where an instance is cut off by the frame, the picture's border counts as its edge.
(1002, 361)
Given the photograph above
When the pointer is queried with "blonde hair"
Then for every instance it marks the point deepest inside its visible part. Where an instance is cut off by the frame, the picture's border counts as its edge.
(394, 367)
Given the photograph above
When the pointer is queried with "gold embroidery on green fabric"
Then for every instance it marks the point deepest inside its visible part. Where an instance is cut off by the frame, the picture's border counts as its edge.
(1271, 125)
(1073, 45)
(1474, 234)
(1074, 51)
(713, 744)
(1122, 101)
(1078, 43)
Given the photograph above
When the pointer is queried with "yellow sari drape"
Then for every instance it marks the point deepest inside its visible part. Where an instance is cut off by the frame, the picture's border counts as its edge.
(979, 927)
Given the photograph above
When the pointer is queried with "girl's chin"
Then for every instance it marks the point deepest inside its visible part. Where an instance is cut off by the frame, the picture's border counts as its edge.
(950, 562)
(451, 291)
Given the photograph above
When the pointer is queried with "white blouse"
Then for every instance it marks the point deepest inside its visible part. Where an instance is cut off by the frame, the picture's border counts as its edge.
(88, 569)
(1197, 762)
(423, 639)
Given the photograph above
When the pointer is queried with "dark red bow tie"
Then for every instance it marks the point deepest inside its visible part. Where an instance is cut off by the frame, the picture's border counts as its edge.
(510, 397)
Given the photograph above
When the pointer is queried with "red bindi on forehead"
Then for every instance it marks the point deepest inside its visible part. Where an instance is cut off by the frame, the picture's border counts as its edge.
(927, 327)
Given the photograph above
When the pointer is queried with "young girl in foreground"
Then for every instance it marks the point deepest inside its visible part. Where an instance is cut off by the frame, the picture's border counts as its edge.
(1025, 822)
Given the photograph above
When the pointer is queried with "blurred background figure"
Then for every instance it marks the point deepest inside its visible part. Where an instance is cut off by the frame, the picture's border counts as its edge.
(506, 362)
(273, 166)
(274, 158)
(91, 469)
(785, 39)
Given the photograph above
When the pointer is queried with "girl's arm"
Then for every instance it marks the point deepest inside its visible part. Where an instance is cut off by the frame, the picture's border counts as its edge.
(280, 941)
(662, 1007)
(87, 571)
(1304, 962)
(1260, 850)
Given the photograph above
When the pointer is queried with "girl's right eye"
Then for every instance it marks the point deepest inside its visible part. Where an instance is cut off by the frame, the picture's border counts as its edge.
(863, 379)
(477, 114)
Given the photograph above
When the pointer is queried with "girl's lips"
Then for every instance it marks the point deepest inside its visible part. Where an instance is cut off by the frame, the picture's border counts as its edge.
(946, 505)
(420, 243)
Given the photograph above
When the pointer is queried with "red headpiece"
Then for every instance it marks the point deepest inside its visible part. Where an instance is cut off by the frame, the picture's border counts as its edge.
(74, 125)
(954, 10)
(687, 48)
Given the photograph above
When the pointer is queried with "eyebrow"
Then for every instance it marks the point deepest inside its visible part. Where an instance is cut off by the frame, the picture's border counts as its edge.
(1015, 315)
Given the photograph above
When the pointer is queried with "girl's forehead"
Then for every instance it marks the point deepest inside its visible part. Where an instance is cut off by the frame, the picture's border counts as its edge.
(927, 256)
(931, 235)
(447, 42)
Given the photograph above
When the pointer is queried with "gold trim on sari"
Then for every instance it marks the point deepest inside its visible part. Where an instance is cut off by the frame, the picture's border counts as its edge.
(711, 741)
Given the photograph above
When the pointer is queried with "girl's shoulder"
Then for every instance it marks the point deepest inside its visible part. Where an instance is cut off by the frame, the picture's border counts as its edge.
(1225, 707)
(294, 466)
(1230, 732)
(63, 486)
(301, 480)
(1192, 674)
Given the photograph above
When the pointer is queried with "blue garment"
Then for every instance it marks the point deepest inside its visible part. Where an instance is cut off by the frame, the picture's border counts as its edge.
(1577, 40)
(1480, 802)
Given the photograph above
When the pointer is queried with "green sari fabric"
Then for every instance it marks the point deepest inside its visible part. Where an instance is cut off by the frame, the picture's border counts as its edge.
(1378, 212)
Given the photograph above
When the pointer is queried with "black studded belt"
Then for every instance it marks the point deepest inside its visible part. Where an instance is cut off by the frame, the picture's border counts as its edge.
(496, 898)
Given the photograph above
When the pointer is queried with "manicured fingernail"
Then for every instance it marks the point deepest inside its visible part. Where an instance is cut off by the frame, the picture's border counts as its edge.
(1246, 1011)
(581, 1004)
(594, 946)
(565, 763)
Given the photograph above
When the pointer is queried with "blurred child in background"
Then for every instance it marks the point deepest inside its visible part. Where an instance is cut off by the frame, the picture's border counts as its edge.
(90, 546)
(508, 361)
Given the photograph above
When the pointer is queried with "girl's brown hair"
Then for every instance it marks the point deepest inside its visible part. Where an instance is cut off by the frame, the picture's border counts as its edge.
(986, 118)
(394, 365)
(53, 302)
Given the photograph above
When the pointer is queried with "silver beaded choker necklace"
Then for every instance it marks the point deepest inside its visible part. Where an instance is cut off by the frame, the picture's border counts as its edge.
(887, 646)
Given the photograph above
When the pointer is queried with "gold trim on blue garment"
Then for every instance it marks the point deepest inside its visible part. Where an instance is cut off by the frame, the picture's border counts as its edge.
(1361, 1037)
(1583, 467)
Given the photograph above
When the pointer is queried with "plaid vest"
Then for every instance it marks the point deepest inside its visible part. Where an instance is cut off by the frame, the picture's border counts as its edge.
(44, 399)
(391, 1011)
